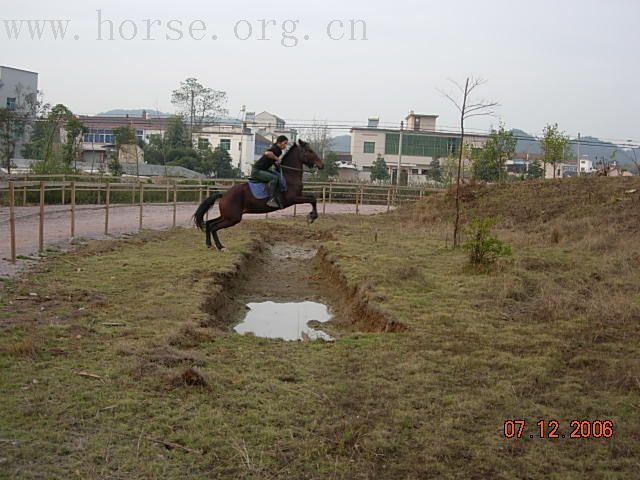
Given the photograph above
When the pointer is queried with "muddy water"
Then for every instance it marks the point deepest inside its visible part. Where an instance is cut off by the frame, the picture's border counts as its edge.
(282, 295)
(287, 321)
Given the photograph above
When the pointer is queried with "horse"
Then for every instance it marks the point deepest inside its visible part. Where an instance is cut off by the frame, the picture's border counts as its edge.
(239, 200)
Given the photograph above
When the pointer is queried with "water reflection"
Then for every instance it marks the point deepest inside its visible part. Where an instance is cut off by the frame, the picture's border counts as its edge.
(287, 321)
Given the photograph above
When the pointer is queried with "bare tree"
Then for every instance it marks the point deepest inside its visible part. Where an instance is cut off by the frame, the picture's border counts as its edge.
(468, 108)
(197, 103)
(318, 136)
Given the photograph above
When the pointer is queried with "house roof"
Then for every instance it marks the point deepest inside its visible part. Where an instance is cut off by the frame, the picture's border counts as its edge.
(413, 114)
(272, 114)
(18, 69)
(101, 121)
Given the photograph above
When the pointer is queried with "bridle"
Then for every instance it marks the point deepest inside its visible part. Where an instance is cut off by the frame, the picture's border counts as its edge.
(294, 169)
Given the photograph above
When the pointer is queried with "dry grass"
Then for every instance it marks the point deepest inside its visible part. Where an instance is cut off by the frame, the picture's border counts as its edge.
(553, 333)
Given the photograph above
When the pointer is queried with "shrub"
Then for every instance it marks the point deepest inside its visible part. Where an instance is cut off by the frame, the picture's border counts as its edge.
(484, 249)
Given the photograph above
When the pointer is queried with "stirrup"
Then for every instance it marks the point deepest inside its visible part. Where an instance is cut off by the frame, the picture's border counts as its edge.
(273, 203)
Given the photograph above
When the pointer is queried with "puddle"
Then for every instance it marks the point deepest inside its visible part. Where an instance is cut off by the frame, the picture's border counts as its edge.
(288, 321)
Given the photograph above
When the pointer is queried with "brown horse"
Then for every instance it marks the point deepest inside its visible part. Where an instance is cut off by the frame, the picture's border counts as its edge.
(239, 200)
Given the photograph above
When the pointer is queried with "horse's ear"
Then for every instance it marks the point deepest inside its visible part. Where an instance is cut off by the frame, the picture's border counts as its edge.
(302, 143)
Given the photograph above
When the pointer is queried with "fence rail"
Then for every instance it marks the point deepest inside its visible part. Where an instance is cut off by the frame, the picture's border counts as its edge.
(108, 193)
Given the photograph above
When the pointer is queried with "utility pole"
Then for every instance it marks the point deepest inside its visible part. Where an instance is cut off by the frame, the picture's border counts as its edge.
(243, 114)
(579, 162)
(399, 154)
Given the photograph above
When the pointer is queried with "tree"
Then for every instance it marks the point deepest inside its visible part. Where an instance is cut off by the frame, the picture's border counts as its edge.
(535, 170)
(221, 164)
(435, 172)
(14, 123)
(330, 169)
(379, 170)
(467, 108)
(176, 135)
(555, 145)
(197, 103)
(318, 137)
(490, 164)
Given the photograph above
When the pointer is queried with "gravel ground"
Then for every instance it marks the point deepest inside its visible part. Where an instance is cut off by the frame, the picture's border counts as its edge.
(123, 220)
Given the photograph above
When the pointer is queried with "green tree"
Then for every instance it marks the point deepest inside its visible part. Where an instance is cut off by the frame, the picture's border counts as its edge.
(330, 167)
(535, 170)
(489, 165)
(379, 170)
(176, 135)
(222, 167)
(435, 172)
(555, 146)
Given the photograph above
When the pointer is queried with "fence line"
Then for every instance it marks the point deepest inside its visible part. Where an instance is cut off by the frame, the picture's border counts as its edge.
(107, 195)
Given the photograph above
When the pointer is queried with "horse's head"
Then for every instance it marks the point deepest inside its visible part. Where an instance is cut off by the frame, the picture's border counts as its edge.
(309, 157)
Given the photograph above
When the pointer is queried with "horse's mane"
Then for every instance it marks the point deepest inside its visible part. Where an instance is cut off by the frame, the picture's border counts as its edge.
(286, 155)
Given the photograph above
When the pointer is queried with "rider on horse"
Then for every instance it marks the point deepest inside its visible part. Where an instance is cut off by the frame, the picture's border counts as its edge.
(262, 170)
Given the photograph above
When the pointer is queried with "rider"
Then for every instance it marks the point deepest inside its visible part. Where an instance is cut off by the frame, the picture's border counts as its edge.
(263, 172)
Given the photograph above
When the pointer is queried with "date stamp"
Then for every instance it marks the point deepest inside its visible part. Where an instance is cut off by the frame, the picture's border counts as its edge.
(519, 429)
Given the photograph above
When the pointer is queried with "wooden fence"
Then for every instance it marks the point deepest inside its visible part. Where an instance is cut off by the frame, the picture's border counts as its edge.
(109, 193)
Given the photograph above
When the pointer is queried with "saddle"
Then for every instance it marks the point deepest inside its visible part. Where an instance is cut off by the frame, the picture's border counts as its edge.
(260, 191)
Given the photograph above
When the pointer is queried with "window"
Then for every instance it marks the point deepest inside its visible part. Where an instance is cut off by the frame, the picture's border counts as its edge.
(225, 144)
(369, 147)
(203, 143)
(422, 145)
(414, 171)
(11, 103)
(139, 135)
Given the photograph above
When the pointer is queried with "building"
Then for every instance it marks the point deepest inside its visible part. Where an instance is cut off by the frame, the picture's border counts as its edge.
(99, 139)
(17, 86)
(245, 140)
(271, 126)
(422, 144)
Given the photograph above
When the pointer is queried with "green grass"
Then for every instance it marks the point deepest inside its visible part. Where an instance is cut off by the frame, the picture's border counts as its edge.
(550, 333)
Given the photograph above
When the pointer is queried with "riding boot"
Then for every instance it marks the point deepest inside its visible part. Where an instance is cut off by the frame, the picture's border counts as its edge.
(273, 201)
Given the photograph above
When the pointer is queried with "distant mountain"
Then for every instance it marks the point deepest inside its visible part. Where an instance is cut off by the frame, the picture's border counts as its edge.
(136, 112)
(341, 143)
(590, 147)
(526, 143)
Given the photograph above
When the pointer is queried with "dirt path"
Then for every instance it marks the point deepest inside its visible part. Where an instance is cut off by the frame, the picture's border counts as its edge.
(123, 220)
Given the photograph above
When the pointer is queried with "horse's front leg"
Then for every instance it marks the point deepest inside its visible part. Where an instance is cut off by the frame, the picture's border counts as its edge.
(311, 199)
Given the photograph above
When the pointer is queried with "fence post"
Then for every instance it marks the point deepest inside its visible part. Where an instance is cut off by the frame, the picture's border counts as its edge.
(357, 207)
(106, 209)
(24, 195)
(388, 200)
(324, 200)
(99, 193)
(175, 203)
(167, 195)
(295, 210)
(73, 209)
(200, 192)
(12, 220)
(206, 215)
(63, 192)
(141, 204)
(41, 225)
(330, 192)
(133, 193)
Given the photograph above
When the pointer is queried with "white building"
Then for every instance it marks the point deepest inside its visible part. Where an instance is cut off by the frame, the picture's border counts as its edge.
(16, 86)
(245, 140)
(422, 144)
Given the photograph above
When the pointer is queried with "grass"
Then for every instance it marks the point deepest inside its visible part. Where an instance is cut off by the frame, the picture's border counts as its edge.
(550, 333)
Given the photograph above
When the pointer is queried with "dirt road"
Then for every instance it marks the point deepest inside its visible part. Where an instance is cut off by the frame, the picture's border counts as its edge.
(123, 220)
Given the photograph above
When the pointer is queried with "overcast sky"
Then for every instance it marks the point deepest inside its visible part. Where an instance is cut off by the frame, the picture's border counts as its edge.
(566, 61)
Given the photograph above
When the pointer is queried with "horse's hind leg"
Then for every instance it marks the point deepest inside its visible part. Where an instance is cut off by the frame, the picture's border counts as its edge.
(224, 223)
(208, 226)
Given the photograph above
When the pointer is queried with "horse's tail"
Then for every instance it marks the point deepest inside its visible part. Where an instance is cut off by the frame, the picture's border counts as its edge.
(198, 217)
